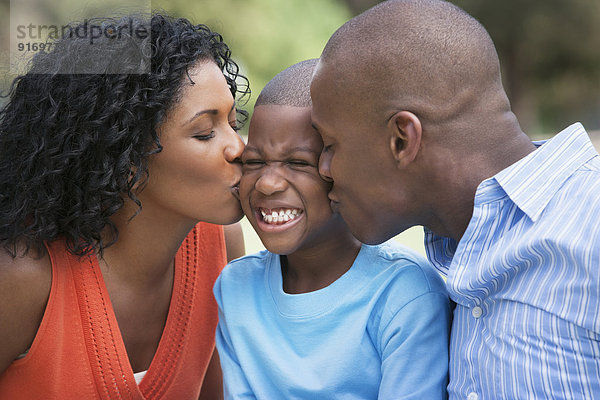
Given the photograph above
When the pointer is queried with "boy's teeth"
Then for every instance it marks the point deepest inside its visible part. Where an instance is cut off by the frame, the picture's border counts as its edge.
(281, 217)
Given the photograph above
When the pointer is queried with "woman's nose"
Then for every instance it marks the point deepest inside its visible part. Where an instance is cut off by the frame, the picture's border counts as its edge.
(234, 147)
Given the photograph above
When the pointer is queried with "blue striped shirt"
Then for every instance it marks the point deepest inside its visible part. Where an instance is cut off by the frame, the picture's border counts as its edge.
(526, 278)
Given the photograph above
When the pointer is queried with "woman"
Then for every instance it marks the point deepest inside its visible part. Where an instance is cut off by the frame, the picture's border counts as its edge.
(111, 153)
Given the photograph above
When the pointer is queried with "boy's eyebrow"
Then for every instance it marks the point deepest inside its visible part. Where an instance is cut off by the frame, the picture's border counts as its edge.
(302, 149)
(288, 152)
(209, 111)
(252, 148)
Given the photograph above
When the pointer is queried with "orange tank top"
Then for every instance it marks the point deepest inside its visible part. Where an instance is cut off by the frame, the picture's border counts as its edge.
(78, 352)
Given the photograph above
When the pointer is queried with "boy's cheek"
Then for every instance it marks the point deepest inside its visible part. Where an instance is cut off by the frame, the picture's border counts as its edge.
(247, 183)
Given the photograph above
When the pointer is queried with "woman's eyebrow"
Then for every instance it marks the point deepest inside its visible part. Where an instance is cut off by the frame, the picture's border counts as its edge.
(211, 111)
(199, 113)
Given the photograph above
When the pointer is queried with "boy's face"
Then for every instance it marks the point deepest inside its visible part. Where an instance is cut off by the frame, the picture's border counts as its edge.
(281, 191)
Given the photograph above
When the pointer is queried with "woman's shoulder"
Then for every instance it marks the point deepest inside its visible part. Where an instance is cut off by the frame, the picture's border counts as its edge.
(25, 282)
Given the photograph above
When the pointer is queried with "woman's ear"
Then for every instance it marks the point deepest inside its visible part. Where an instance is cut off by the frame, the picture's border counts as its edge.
(405, 137)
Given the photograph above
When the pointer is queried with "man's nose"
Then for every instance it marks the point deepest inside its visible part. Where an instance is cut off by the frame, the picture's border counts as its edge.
(324, 166)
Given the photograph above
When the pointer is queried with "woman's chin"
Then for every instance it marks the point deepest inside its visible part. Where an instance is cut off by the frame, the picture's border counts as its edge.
(226, 218)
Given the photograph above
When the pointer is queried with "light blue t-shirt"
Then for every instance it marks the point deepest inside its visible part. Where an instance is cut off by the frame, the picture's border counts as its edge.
(378, 332)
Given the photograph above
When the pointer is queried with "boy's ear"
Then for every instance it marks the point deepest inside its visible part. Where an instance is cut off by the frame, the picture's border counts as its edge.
(405, 137)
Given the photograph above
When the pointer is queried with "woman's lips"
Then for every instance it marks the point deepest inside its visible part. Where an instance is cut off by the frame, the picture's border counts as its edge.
(235, 189)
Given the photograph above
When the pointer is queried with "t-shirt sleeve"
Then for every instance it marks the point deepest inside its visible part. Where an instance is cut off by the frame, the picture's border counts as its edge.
(414, 349)
(235, 384)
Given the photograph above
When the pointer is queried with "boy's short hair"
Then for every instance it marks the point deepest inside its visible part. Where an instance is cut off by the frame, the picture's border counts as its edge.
(290, 87)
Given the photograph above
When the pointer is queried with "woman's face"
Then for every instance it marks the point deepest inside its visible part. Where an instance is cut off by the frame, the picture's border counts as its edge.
(196, 175)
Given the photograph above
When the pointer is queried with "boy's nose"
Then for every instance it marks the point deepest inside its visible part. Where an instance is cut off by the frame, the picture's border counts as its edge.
(270, 182)
(324, 166)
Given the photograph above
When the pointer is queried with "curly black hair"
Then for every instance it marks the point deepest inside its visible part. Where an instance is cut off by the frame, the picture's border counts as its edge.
(79, 126)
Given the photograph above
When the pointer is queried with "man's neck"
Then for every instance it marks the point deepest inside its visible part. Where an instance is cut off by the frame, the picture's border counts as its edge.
(459, 181)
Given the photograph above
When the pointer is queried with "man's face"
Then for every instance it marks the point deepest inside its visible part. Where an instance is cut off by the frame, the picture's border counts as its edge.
(356, 156)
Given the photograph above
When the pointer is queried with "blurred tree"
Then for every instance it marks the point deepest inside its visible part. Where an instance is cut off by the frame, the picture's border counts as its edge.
(358, 6)
(266, 36)
(550, 51)
(550, 55)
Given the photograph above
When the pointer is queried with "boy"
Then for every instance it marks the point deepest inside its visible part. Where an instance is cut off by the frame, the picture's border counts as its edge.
(318, 315)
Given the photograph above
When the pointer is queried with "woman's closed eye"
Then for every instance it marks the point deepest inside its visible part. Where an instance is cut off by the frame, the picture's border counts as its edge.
(205, 136)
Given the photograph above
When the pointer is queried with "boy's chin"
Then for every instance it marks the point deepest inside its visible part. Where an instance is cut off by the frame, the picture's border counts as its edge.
(279, 246)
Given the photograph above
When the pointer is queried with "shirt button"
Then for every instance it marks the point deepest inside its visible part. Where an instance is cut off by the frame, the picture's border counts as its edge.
(472, 396)
(477, 312)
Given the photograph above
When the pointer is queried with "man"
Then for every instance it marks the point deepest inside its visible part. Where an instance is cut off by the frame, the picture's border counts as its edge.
(418, 130)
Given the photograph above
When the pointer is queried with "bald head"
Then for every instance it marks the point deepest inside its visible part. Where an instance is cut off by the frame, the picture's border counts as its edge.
(290, 87)
(409, 102)
(425, 56)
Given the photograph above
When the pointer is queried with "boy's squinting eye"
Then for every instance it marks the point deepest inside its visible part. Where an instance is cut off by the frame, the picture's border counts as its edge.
(299, 163)
(252, 163)
(326, 148)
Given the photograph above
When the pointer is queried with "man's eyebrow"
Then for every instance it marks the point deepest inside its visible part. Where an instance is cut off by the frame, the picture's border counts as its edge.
(209, 111)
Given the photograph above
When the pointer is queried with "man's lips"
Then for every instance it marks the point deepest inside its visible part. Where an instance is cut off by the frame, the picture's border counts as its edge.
(333, 202)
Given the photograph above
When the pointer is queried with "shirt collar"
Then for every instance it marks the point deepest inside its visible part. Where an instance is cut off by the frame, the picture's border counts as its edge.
(532, 181)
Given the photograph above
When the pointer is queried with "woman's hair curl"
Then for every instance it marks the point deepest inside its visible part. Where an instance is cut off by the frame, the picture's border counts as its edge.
(78, 128)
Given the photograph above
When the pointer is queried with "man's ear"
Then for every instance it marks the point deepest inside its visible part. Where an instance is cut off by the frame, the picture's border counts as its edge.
(405, 137)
